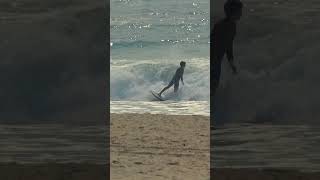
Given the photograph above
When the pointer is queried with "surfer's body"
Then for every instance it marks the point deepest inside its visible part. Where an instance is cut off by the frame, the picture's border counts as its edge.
(176, 78)
(222, 38)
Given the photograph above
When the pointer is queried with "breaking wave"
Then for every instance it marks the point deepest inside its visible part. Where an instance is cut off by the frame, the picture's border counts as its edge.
(286, 93)
(132, 80)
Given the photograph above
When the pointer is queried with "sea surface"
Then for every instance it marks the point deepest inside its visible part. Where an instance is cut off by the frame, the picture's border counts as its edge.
(149, 38)
(43, 143)
(266, 146)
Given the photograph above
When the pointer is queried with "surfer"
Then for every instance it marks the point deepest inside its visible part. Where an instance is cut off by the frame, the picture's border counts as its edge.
(222, 38)
(176, 78)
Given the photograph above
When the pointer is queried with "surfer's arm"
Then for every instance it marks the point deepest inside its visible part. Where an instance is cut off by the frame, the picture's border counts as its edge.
(182, 79)
(229, 53)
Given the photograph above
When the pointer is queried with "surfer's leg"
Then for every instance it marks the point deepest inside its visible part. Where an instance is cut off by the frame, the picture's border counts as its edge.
(176, 87)
(167, 87)
(216, 71)
(163, 90)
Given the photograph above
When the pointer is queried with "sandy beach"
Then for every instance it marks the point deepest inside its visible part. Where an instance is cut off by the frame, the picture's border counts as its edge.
(159, 147)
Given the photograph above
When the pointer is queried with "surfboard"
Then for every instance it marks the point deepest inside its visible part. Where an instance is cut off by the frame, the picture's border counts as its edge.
(157, 96)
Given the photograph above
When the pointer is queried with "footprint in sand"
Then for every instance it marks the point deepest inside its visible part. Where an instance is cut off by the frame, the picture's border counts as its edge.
(115, 162)
(173, 163)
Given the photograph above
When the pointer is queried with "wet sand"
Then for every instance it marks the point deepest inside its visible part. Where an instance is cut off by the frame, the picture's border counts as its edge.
(263, 174)
(53, 171)
(53, 152)
(265, 152)
(266, 146)
(159, 147)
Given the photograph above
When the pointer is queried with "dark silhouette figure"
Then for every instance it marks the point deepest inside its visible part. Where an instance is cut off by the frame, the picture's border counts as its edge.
(176, 78)
(221, 38)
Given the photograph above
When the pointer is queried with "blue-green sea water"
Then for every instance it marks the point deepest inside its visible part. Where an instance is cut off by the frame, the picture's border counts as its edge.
(154, 30)
(148, 40)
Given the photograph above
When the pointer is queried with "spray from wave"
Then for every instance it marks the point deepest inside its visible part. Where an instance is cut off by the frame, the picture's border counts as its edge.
(132, 80)
(286, 93)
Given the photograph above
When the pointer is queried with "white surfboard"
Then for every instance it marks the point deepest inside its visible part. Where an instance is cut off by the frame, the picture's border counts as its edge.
(156, 95)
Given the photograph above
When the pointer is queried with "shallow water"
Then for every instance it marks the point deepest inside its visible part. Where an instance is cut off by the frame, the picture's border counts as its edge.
(163, 107)
(53, 143)
(266, 146)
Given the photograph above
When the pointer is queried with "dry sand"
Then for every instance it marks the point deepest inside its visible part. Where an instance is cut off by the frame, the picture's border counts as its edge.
(159, 147)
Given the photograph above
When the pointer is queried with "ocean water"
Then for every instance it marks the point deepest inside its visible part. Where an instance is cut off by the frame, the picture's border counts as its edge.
(42, 143)
(266, 146)
(148, 40)
(268, 114)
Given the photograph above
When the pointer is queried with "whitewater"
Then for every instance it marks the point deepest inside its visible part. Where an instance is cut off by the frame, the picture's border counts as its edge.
(148, 41)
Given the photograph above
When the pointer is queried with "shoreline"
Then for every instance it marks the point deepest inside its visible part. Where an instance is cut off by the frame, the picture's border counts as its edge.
(88, 171)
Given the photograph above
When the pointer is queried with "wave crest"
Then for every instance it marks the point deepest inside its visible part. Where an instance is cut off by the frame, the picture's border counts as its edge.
(132, 80)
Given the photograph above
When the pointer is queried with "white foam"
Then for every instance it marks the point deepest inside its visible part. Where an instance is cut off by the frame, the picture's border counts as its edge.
(132, 80)
(163, 107)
